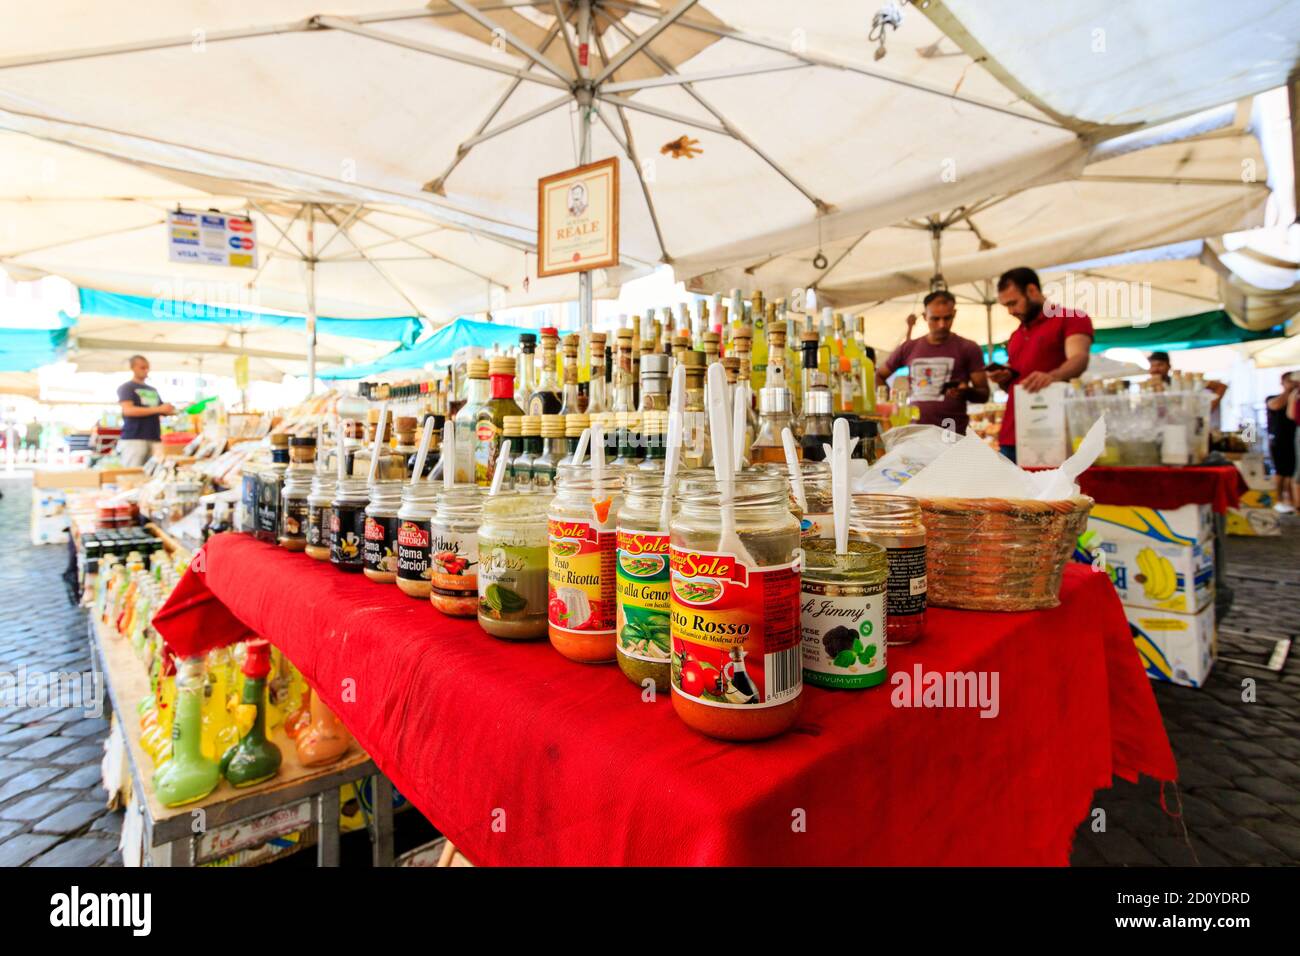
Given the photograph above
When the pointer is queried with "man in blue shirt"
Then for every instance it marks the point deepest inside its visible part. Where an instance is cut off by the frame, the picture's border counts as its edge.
(142, 411)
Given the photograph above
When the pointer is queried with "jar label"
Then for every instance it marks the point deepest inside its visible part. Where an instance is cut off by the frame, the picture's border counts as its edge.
(347, 534)
(907, 581)
(644, 598)
(735, 630)
(267, 518)
(511, 579)
(413, 552)
(453, 559)
(380, 552)
(843, 633)
(293, 518)
(318, 525)
(580, 577)
(817, 524)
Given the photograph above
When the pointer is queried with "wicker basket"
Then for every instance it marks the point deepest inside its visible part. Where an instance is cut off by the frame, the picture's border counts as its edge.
(999, 554)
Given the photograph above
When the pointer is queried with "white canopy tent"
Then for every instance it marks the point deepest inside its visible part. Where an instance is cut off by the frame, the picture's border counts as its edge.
(808, 138)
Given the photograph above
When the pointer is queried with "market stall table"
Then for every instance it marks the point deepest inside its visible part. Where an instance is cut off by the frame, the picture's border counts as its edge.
(521, 757)
(1166, 488)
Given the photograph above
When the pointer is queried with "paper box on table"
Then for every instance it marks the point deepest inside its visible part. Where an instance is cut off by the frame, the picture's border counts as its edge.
(1252, 523)
(49, 516)
(65, 478)
(1041, 436)
(1161, 576)
(1257, 498)
(1252, 469)
(1178, 648)
(1186, 525)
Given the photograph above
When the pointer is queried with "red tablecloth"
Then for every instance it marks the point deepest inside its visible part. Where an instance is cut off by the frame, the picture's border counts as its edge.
(522, 757)
(1165, 488)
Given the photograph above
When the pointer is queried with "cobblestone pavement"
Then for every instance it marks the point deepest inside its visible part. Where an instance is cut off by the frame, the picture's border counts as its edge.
(52, 808)
(1239, 762)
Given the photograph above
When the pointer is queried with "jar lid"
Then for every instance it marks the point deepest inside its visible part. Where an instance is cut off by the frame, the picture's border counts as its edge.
(501, 365)
(407, 423)
(478, 368)
(280, 439)
(530, 425)
(303, 441)
(654, 364)
(512, 424)
(553, 426)
(692, 359)
(575, 424)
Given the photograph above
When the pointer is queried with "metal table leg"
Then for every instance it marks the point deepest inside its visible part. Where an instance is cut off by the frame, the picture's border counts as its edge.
(381, 838)
(327, 827)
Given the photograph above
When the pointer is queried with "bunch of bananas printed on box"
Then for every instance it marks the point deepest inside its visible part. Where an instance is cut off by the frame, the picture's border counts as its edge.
(1158, 578)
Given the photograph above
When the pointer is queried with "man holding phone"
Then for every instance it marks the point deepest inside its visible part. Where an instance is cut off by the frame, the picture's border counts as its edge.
(1051, 345)
(946, 371)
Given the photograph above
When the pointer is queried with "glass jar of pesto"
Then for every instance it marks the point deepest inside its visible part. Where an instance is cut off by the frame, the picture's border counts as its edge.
(582, 527)
(512, 546)
(842, 615)
(644, 643)
(736, 661)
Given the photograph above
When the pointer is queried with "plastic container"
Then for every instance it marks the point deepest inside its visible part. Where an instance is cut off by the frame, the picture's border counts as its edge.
(453, 550)
(379, 551)
(736, 668)
(512, 549)
(894, 523)
(583, 533)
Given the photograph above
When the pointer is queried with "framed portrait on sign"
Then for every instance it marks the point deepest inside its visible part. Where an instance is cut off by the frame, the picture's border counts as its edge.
(577, 219)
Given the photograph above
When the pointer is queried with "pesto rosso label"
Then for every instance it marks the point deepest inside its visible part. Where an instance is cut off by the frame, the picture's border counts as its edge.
(644, 597)
(735, 630)
(843, 633)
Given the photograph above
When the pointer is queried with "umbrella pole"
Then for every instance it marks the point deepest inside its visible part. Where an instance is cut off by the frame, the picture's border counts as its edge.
(584, 96)
(311, 301)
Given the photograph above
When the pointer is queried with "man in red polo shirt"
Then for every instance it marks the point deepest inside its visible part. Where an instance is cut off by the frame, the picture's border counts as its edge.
(1051, 345)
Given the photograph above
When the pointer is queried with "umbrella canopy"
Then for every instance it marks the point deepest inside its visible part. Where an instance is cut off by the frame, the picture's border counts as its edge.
(460, 107)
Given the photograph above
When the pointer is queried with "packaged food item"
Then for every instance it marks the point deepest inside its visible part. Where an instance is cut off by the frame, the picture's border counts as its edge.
(582, 529)
(736, 659)
(512, 545)
(894, 523)
(644, 600)
(842, 616)
(379, 550)
(348, 523)
(320, 506)
(454, 550)
(293, 497)
(414, 537)
(270, 482)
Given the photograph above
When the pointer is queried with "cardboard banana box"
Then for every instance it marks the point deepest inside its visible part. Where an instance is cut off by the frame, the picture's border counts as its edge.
(1161, 576)
(1186, 525)
(1178, 648)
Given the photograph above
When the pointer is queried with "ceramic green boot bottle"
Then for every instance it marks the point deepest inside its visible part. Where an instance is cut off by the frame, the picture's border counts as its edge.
(254, 758)
(189, 775)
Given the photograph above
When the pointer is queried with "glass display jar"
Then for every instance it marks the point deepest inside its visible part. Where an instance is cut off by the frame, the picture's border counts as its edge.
(736, 661)
(819, 520)
(414, 535)
(320, 504)
(348, 523)
(894, 523)
(582, 529)
(379, 551)
(294, 509)
(644, 644)
(842, 616)
(512, 547)
(454, 551)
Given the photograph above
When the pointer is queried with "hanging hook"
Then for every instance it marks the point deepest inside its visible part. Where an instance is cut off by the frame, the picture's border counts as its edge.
(889, 17)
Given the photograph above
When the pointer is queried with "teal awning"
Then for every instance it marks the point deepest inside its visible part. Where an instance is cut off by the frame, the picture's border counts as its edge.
(22, 350)
(114, 305)
(1198, 331)
(438, 347)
